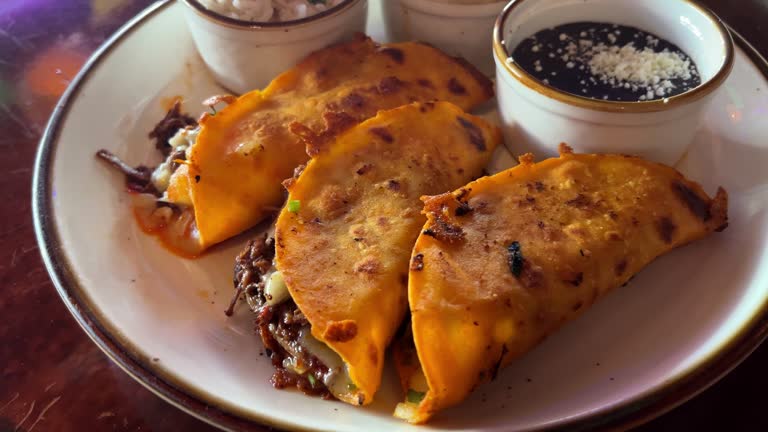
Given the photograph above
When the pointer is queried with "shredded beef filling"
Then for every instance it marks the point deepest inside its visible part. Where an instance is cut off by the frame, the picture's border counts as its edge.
(251, 264)
(279, 326)
(139, 179)
(170, 124)
(285, 321)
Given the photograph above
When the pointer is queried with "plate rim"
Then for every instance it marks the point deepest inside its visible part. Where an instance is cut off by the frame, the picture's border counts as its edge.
(638, 410)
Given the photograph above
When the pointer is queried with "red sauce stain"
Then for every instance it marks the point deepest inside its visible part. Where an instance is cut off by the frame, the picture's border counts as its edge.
(176, 234)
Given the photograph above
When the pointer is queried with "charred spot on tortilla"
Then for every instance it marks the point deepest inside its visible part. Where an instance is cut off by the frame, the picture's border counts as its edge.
(393, 185)
(390, 84)
(462, 193)
(475, 135)
(581, 201)
(621, 267)
(444, 231)
(462, 209)
(515, 258)
(476, 74)
(353, 101)
(382, 133)
(666, 229)
(373, 354)
(368, 265)
(364, 168)
(340, 331)
(336, 122)
(576, 279)
(695, 203)
(455, 87)
(396, 54)
(417, 263)
(497, 366)
(425, 83)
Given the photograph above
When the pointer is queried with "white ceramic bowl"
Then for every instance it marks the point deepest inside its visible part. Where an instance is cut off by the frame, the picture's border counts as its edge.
(244, 56)
(537, 117)
(462, 30)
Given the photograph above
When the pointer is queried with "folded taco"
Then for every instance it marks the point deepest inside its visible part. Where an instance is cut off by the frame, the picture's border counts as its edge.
(224, 176)
(343, 241)
(506, 260)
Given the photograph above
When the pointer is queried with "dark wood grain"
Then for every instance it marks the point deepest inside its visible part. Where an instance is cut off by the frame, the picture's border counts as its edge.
(52, 377)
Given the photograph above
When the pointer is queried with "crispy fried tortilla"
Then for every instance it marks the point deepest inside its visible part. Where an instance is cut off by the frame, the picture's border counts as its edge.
(506, 260)
(344, 239)
(233, 174)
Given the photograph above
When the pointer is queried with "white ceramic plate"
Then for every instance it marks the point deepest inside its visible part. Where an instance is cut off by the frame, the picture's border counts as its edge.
(682, 323)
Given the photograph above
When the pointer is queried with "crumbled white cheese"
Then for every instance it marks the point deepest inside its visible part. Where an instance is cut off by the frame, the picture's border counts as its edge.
(644, 68)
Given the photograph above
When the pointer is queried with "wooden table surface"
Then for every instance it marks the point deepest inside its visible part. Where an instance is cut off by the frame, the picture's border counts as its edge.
(52, 377)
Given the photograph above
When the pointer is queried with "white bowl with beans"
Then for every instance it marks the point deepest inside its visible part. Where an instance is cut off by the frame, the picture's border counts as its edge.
(537, 117)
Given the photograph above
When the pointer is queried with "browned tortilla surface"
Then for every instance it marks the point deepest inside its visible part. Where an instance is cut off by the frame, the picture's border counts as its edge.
(506, 260)
(233, 174)
(344, 254)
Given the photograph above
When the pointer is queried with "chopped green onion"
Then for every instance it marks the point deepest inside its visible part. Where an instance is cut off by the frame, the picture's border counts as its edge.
(351, 387)
(294, 206)
(415, 396)
(312, 380)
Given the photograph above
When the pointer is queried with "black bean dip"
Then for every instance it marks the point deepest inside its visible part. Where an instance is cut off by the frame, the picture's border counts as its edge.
(607, 61)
